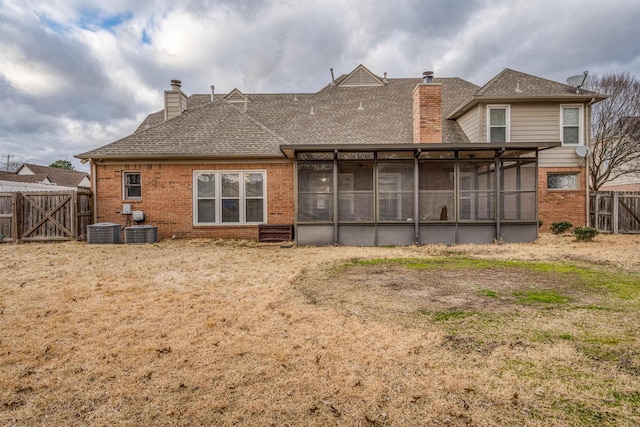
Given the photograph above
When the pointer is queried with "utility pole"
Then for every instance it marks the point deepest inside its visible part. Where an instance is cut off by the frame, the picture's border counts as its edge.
(8, 156)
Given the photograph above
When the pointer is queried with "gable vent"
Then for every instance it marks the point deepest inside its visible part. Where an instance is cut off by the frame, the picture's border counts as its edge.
(361, 77)
(235, 96)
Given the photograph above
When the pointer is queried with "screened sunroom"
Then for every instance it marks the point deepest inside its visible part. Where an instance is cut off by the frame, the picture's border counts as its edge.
(406, 194)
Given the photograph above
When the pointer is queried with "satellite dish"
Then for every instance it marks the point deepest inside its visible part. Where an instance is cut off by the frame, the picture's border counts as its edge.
(583, 151)
(579, 80)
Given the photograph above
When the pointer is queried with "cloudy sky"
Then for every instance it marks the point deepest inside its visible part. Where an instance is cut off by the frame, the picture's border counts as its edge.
(78, 74)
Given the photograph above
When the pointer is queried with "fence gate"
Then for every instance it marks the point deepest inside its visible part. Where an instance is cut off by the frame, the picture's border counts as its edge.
(45, 216)
(615, 211)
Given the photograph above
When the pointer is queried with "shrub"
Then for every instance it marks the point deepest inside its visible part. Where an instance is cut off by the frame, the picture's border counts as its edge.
(560, 227)
(585, 233)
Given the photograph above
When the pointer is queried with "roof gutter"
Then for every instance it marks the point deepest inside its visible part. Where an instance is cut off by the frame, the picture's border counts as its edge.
(289, 150)
(99, 158)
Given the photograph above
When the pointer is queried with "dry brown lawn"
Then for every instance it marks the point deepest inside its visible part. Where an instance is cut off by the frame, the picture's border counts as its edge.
(211, 332)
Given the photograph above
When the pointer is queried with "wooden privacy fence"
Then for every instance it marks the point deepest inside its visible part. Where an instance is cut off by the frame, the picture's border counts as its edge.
(615, 211)
(45, 216)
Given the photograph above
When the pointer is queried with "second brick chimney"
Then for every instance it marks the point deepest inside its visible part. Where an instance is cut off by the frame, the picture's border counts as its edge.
(427, 112)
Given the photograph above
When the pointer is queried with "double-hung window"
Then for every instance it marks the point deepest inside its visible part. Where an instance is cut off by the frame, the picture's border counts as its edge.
(132, 187)
(229, 197)
(571, 118)
(498, 127)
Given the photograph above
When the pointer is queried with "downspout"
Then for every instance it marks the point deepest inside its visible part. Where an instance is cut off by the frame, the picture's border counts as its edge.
(295, 197)
(537, 194)
(335, 198)
(94, 190)
(416, 198)
(498, 182)
(587, 165)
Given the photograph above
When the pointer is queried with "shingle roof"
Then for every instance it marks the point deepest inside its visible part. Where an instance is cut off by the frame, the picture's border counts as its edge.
(514, 85)
(334, 115)
(216, 128)
(62, 177)
(14, 177)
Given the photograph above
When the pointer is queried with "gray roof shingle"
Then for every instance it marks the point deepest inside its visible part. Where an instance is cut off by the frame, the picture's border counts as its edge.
(333, 115)
(214, 129)
(515, 85)
(58, 176)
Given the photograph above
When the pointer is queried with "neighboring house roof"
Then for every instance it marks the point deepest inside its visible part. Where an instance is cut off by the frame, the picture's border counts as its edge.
(46, 174)
(34, 179)
(355, 108)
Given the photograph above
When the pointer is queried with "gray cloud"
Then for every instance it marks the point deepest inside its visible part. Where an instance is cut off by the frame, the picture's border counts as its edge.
(96, 83)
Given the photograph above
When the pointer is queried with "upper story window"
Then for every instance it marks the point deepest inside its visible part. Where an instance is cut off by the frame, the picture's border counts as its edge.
(132, 187)
(571, 118)
(498, 127)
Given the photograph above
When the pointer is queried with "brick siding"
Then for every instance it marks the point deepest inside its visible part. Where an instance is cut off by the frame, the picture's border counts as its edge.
(427, 113)
(561, 205)
(167, 197)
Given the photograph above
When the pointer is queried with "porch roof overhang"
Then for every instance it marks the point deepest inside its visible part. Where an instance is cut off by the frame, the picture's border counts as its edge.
(289, 150)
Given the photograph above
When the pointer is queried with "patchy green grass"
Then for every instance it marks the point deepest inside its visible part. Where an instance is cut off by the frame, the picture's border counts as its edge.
(624, 285)
(487, 293)
(565, 332)
(585, 414)
(594, 295)
(632, 398)
(546, 296)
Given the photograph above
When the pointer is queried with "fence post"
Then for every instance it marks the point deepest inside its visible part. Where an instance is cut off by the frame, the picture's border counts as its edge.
(17, 212)
(14, 212)
(596, 217)
(74, 215)
(614, 214)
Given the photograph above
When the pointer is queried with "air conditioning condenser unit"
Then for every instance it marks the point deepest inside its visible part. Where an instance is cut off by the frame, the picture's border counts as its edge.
(103, 233)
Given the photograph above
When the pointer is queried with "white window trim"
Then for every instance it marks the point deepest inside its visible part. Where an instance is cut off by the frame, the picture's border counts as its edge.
(218, 197)
(507, 109)
(124, 185)
(580, 108)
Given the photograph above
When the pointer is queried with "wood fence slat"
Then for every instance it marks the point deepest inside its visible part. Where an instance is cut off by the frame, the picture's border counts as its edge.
(48, 215)
(615, 211)
(45, 216)
(629, 211)
(7, 217)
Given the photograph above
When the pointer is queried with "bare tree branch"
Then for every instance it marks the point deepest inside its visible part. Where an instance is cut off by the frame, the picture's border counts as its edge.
(615, 129)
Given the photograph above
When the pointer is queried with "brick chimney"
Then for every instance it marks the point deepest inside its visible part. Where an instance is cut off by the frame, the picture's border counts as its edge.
(427, 111)
(175, 101)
